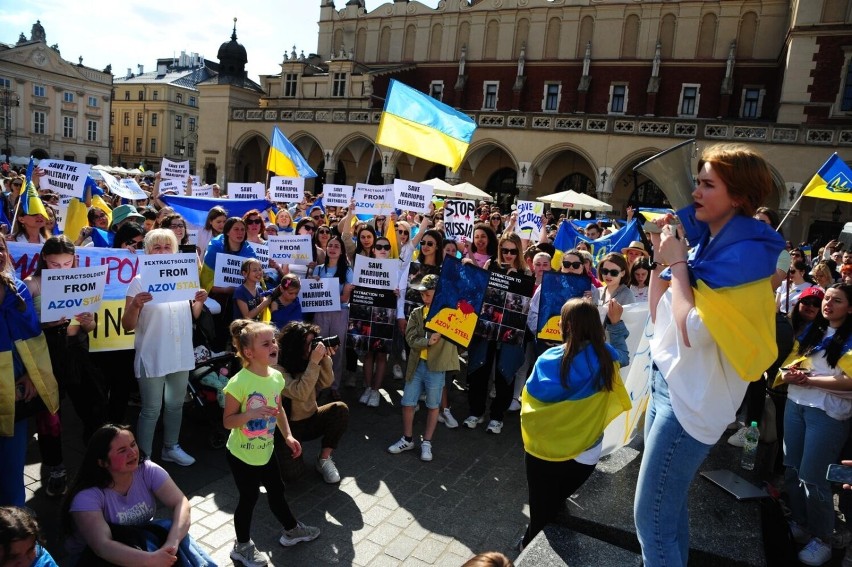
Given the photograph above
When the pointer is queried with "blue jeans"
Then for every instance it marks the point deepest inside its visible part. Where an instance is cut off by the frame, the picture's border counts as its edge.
(669, 463)
(156, 392)
(812, 441)
(14, 451)
(424, 381)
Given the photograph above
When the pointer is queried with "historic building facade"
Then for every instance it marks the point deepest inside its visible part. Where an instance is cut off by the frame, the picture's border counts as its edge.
(566, 93)
(50, 107)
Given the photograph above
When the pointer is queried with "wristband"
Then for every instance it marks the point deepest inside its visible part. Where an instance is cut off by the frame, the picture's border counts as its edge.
(676, 263)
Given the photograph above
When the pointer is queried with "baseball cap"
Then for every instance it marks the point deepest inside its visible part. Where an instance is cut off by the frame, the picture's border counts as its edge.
(429, 281)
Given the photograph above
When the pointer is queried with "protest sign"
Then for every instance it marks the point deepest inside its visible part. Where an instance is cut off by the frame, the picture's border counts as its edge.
(459, 216)
(457, 301)
(121, 268)
(62, 212)
(191, 235)
(196, 180)
(262, 253)
(373, 200)
(64, 177)
(503, 317)
(372, 319)
(376, 273)
(169, 186)
(205, 191)
(320, 296)
(169, 277)
(227, 272)
(291, 249)
(246, 191)
(66, 293)
(129, 184)
(287, 189)
(528, 225)
(174, 169)
(411, 196)
(336, 195)
(126, 191)
(416, 271)
(556, 288)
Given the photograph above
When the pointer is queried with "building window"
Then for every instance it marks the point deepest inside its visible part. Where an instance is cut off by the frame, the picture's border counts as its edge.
(67, 96)
(153, 145)
(291, 80)
(141, 95)
(126, 144)
(126, 95)
(127, 119)
(179, 98)
(5, 83)
(489, 99)
(338, 85)
(140, 120)
(138, 145)
(153, 119)
(846, 101)
(39, 120)
(689, 95)
(190, 148)
(192, 101)
(178, 122)
(112, 118)
(436, 90)
(92, 131)
(93, 101)
(617, 99)
(190, 124)
(752, 102)
(39, 90)
(67, 126)
(155, 95)
(551, 97)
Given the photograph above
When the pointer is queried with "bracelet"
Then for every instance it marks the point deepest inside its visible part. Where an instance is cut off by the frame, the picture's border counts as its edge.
(676, 263)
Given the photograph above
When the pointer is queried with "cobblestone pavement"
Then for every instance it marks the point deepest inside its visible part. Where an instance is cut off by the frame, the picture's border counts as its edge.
(387, 510)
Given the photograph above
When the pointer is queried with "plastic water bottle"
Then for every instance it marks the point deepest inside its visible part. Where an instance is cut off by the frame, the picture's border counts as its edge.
(750, 447)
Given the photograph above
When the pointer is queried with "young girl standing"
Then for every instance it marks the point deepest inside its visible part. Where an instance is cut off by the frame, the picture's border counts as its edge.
(639, 272)
(252, 411)
(249, 299)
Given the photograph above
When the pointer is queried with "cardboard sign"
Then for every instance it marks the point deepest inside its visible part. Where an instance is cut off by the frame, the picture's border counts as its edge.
(246, 191)
(174, 169)
(227, 272)
(416, 272)
(126, 191)
(291, 249)
(376, 273)
(64, 177)
(170, 277)
(62, 212)
(411, 196)
(372, 320)
(318, 296)
(529, 220)
(287, 189)
(459, 218)
(170, 187)
(66, 293)
(262, 253)
(205, 191)
(373, 200)
(196, 180)
(503, 317)
(336, 195)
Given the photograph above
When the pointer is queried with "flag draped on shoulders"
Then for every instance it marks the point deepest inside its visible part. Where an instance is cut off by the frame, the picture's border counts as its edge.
(284, 159)
(559, 423)
(415, 123)
(730, 276)
(832, 181)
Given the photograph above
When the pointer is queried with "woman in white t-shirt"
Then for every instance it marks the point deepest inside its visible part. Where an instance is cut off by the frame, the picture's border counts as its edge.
(796, 284)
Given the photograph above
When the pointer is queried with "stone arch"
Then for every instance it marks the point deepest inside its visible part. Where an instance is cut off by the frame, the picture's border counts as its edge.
(551, 167)
(249, 162)
(667, 35)
(552, 36)
(40, 153)
(707, 36)
(409, 43)
(361, 44)
(384, 45)
(630, 37)
(435, 42)
(463, 36)
(354, 152)
(587, 31)
(522, 32)
(492, 39)
(746, 36)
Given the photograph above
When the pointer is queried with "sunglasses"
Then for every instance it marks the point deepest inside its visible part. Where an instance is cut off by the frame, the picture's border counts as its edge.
(309, 227)
(382, 246)
(613, 273)
(254, 221)
(17, 184)
(811, 302)
(496, 218)
(324, 231)
(402, 231)
(427, 243)
(317, 217)
(511, 251)
(138, 244)
(574, 265)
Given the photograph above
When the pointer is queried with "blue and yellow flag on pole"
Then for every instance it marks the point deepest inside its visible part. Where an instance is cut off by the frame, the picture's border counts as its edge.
(832, 181)
(284, 159)
(415, 123)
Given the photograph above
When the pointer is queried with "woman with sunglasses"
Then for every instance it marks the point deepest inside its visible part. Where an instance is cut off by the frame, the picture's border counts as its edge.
(30, 228)
(790, 289)
(495, 221)
(612, 270)
(97, 219)
(213, 225)
(375, 356)
(408, 244)
(336, 265)
(484, 245)
(130, 237)
(255, 227)
(380, 225)
(822, 276)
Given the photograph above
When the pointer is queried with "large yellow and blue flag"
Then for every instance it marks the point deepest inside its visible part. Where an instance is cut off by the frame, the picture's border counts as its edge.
(568, 236)
(31, 203)
(832, 181)
(284, 159)
(416, 123)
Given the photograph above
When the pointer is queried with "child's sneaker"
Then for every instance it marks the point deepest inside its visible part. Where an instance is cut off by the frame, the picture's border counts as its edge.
(400, 446)
(494, 427)
(248, 555)
(446, 417)
(300, 533)
(328, 470)
(373, 402)
(472, 421)
(365, 397)
(426, 451)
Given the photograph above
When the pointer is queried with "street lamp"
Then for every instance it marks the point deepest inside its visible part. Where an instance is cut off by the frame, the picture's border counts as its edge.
(8, 99)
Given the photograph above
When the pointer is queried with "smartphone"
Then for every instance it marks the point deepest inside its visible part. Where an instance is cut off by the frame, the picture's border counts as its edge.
(188, 248)
(841, 474)
(805, 371)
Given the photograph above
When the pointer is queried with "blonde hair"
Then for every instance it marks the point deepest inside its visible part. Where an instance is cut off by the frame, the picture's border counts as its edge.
(243, 333)
(160, 236)
(246, 265)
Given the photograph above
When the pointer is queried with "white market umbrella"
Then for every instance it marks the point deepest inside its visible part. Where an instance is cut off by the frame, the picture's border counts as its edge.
(572, 200)
(460, 191)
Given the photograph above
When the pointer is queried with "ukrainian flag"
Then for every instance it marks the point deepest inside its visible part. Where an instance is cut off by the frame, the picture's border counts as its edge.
(730, 276)
(832, 181)
(567, 237)
(31, 203)
(415, 123)
(284, 159)
(557, 422)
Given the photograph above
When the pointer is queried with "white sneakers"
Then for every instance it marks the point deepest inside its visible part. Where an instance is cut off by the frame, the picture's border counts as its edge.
(403, 445)
(446, 417)
(373, 402)
(426, 451)
(248, 555)
(328, 470)
(472, 421)
(365, 397)
(176, 455)
(494, 427)
(815, 553)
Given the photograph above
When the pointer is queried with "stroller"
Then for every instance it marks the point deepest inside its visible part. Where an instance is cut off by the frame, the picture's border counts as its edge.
(209, 376)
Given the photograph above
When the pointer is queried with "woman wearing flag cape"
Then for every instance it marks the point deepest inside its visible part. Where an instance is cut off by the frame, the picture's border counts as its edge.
(714, 332)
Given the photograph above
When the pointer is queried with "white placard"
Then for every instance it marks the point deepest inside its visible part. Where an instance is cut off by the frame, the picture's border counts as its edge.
(287, 189)
(291, 249)
(174, 169)
(528, 224)
(459, 216)
(191, 235)
(246, 191)
(320, 296)
(411, 196)
(126, 191)
(62, 213)
(374, 200)
(262, 253)
(196, 180)
(130, 184)
(169, 186)
(376, 273)
(205, 192)
(66, 293)
(227, 272)
(64, 177)
(169, 277)
(336, 195)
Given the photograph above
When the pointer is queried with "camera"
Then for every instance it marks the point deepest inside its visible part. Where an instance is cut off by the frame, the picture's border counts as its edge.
(329, 342)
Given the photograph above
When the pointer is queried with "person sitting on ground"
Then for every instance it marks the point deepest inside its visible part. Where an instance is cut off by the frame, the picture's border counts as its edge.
(20, 540)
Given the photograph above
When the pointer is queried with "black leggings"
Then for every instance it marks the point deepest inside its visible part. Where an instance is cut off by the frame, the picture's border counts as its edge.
(248, 479)
(550, 483)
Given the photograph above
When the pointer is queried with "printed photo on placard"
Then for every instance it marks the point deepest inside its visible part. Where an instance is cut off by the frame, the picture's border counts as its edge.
(372, 318)
(505, 306)
(416, 271)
